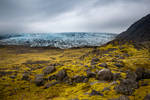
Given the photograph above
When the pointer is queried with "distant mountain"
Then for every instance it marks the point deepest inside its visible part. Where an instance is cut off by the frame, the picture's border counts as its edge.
(138, 32)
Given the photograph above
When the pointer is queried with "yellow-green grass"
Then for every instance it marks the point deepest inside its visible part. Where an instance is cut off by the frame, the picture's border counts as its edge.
(19, 60)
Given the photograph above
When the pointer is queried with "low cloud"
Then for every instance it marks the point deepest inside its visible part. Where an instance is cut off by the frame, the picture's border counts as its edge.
(112, 16)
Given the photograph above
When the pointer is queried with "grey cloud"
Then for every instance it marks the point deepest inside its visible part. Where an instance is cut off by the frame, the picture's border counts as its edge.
(70, 15)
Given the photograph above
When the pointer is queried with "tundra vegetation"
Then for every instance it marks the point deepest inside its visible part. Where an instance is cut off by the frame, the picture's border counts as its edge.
(109, 72)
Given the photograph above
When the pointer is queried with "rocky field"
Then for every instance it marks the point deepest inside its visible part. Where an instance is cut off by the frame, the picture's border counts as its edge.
(110, 72)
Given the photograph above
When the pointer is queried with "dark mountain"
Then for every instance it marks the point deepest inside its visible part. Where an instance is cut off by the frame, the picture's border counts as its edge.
(138, 32)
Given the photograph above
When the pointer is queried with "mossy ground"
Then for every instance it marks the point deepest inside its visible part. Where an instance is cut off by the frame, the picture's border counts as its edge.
(17, 60)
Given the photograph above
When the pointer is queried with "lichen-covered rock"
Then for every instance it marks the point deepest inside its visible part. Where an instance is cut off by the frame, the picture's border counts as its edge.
(105, 74)
(91, 74)
(13, 76)
(49, 69)
(25, 76)
(94, 61)
(50, 84)
(131, 75)
(126, 86)
(142, 73)
(103, 65)
(118, 65)
(61, 75)
(52, 77)
(94, 92)
(39, 80)
(79, 79)
(122, 97)
(147, 97)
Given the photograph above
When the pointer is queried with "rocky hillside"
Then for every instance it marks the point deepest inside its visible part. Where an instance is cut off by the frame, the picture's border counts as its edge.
(138, 32)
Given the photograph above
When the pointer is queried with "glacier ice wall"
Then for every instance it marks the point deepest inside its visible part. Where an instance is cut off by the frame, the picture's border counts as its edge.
(59, 40)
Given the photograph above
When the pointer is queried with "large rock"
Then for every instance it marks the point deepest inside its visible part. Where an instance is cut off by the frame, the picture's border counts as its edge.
(79, 79)
(61, 75)
(131, 75)
(103, 65)
(39, 80)
(50, 84)
(94, 61)
(147, 97)
(126, 86)
(94, 92)
(49, 69)
(25, 76)
(91, 74)
(122, 97)
(105, 74)
(142, 73)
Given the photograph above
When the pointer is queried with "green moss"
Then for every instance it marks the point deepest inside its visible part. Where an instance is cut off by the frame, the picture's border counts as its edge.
(69, 59)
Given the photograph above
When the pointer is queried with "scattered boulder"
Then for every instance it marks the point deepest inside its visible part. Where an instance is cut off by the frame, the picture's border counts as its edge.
(39, 80)
(103, 65)
(94, 61)
(147, 97)
(52, 77)
(61, 75)
(118, 65)
(13, 76)
(91, 74)
(122, 97)
(131, 75)
(105, 74)
(79, 79)
(86, 66)
(50, 84)
(49, 69)
(142, 73)
(126, 86)
(25, 76)
(94, 92)
(106, 89)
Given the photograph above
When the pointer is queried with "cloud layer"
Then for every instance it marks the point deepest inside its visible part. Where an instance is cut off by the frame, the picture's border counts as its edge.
(70, 15)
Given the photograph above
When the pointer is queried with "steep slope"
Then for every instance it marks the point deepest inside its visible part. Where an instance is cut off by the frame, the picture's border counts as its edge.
(138, 32)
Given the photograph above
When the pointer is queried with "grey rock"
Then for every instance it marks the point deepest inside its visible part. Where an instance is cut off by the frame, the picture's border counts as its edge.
(79, 79)
(118, 65)
(94, 61)
(103, 65)
(91, 74)
(39, 80)
(106, 89)
(122, 97)
(13, 76)
(25, 76)
(131, 75)
(86, 66)
(50, 84)
(52, 77)
(142, 73)
(49, 69)
(105, 74)
(94, 92)
(147, 97)
(126, 86)
(61, 75)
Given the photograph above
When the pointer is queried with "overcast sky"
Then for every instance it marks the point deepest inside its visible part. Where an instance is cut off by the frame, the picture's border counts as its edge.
(39, 16)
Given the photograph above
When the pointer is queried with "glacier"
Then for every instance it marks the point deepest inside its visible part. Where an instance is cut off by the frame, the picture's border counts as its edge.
(59, 40)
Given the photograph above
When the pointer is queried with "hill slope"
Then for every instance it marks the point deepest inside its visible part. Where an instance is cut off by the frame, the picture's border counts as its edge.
(137, 32)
